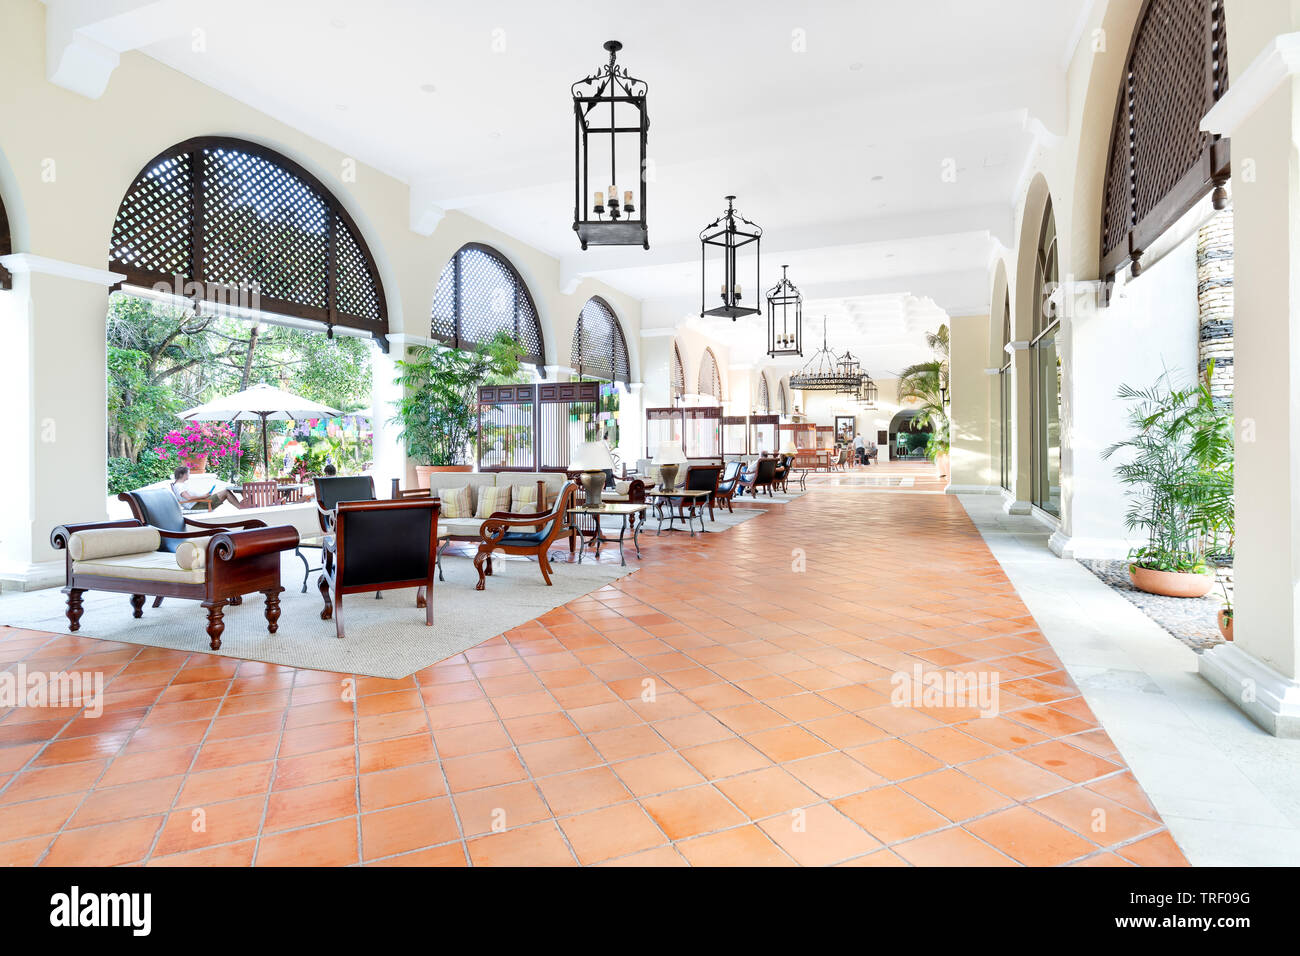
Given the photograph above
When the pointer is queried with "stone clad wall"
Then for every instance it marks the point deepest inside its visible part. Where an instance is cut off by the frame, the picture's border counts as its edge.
(1214, 300)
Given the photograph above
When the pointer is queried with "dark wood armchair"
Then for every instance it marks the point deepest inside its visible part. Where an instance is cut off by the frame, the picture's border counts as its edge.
(702, 478)
(379, 546)
(761, 476)
(525, 534)
(727, 484)
(126, 557)
(781, 477)
(158, 508)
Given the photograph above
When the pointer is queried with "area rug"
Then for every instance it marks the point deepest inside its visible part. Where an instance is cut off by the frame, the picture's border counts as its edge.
(385, 638)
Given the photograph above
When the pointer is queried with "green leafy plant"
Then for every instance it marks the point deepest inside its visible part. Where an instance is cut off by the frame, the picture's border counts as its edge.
(1179, 470)
(927, 384)
(438, 411)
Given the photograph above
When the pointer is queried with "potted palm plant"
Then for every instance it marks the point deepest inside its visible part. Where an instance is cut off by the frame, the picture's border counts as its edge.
(927, 383)
(1179, 470)
(438, 410)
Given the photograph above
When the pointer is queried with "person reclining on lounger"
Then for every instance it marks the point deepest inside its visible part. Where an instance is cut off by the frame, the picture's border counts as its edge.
(191, 498)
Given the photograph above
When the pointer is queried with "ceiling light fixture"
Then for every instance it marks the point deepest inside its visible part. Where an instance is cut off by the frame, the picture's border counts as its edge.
(607, 221)
(730, 232)
(786, 299)
(824, 372)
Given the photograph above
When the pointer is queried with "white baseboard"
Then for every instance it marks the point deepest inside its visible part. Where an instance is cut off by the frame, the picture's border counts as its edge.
(972, 490)
(1268, 698)
(33, 577)
(1011, 505)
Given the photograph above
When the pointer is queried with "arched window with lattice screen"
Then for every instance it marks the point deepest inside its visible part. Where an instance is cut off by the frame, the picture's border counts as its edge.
(6, 246)
(678, 383)
(1160, 163)
(764, 396)
(710, 378)
(236, 223)
(599, 350)
(481, 293)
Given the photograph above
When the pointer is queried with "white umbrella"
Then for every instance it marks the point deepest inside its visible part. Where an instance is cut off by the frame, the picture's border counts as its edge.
(259, 402)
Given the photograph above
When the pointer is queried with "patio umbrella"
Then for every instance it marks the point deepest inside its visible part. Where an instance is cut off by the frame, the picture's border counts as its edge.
(262, 402)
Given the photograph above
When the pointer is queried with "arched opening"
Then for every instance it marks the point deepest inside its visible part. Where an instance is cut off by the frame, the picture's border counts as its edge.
(6, 247)
(237, 259)
(710, 382)
(599, 349)
(481, 294)
(907, 440)
(1006, 436)
(782, 402)
(677, 375)
(764, 404)
(1045, 362)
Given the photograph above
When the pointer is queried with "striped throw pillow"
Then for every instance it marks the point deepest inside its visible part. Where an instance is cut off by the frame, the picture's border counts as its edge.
(492, 499)
(456, 502)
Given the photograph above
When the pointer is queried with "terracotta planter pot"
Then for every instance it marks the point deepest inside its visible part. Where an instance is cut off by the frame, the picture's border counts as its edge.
(1182, 584)
(1225, 623)
(422, 472)
(196, 465)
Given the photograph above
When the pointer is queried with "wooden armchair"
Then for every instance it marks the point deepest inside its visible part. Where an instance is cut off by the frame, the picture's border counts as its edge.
(379, 546)
(761, 476)
(702, 478)
(215, 567)
(260, 494)
(525, 534)
(727, 484)
(158, 508)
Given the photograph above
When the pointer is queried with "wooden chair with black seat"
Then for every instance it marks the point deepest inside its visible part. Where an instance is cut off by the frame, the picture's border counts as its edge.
(380, 546)
(700, 478)
(158, 508)
(781, 477)
(330, 491)
(759, 477)
(524, 534)
(727, 484)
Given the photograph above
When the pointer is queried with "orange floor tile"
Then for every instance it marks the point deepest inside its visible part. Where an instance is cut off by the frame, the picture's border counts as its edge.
(727, 704)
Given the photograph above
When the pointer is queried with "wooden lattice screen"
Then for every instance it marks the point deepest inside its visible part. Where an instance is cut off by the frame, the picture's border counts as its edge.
(232, 222)
(6, 247)
(481, 293)
(678, 375)
(710, 378)
(535, 427)
(1160, 162)
(782, 404)
(599, 349)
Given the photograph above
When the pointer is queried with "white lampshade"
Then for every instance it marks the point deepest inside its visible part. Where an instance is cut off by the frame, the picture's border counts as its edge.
(670, 453)
(788, 449)
(591, 456)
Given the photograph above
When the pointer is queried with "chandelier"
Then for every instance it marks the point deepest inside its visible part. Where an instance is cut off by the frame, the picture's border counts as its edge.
(825, 371)
(730, 232)
(607, 221)
(785, 300)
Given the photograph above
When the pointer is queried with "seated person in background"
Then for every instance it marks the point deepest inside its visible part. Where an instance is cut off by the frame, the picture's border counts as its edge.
(191, 497)
(330, 471)
(872, 452)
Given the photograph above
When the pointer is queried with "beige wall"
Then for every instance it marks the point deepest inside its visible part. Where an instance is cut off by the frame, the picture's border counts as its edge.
(973, 461)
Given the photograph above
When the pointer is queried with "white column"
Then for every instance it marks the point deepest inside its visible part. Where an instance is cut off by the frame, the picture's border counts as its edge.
(971, 466)
(53, 379)
(1261, 112)
(631, 423)
(389, 456)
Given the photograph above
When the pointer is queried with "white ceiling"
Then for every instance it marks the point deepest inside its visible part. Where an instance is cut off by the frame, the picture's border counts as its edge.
(838, 151)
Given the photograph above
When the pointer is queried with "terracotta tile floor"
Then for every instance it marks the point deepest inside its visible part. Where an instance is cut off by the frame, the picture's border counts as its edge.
(718, 707)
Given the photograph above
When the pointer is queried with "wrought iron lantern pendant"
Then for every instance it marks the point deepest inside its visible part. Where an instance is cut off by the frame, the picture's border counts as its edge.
(605, 214)
(730, 232)
(784, 303)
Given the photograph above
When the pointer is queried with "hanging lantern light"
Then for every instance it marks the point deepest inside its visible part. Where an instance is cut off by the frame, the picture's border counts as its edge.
(850, 370)
(601, 216)
(785, 302)
(867, 392)
(730, 232)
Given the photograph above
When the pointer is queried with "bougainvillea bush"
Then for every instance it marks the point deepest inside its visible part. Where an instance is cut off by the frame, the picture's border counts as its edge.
(199, 445)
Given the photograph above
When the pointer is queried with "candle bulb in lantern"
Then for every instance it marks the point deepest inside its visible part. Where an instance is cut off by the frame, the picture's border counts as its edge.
(600, 198)
(627, 198)
(613, 195)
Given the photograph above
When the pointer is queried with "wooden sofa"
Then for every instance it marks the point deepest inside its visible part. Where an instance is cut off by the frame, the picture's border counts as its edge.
(215, 568)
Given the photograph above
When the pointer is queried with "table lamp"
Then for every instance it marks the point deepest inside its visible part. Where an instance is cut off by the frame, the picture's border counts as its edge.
(592, 459)
(788, 449)
(669, 456)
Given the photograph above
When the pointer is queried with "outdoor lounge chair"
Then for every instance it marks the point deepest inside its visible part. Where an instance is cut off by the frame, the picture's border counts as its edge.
(378, 546)
(526, 534)
(215, 569)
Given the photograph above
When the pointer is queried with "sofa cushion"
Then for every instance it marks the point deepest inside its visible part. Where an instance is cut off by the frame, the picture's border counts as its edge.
(491, 500)
(158, 566)
(456, 502)
(459, 527)
(192, 554)
(108, 542)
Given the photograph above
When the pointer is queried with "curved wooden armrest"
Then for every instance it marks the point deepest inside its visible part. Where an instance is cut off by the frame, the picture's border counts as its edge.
(494, 529)
(520, 517)
(253, 542)
(190, 534)
(60, 536)
(223, 525)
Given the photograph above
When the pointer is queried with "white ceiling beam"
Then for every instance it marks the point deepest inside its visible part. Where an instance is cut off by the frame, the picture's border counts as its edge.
(84, 39)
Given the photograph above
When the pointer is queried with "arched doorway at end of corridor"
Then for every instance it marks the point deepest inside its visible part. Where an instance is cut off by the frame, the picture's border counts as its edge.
(908, 440)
